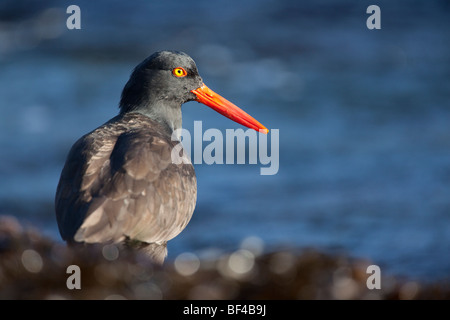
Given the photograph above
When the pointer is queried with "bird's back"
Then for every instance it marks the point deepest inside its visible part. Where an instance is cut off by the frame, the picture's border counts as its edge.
(119, 182)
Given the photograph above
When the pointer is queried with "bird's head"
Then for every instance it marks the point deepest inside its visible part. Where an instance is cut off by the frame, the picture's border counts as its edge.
(166, 80)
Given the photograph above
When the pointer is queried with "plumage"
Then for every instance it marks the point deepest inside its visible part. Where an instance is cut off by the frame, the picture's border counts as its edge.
(109, 191)
(119, 183)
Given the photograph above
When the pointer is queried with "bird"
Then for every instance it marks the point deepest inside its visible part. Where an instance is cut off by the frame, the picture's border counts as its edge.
(119, 183)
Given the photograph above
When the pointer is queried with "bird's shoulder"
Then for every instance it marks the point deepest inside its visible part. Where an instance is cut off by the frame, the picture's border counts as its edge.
(129, 141)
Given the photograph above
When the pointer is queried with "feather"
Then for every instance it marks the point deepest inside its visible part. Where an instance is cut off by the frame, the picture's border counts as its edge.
(119, 183)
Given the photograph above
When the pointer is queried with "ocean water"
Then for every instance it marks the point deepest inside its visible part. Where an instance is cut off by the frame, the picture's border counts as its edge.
(363, 118)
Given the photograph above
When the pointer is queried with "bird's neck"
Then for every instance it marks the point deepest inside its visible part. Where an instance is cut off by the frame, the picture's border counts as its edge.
(166, 114)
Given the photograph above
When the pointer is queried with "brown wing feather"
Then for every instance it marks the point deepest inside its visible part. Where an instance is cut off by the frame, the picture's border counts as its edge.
(119, 181)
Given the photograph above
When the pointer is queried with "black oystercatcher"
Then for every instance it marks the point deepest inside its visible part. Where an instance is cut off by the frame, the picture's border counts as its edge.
(119, 184)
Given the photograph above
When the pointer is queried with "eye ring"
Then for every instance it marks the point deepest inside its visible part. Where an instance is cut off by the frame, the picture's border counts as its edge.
(179, 72)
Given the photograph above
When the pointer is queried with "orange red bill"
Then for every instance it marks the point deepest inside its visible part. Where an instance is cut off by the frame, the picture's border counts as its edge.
(223, 106)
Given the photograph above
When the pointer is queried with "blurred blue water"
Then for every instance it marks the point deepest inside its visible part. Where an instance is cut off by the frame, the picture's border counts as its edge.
(363, 117)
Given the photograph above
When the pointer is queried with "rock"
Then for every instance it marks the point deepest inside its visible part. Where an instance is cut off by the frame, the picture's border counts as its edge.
(35, 267)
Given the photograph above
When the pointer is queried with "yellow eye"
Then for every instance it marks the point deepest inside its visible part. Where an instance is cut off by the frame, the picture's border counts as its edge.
(179, 72)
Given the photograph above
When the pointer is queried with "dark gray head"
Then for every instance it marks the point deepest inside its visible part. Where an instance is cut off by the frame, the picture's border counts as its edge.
(159, 85)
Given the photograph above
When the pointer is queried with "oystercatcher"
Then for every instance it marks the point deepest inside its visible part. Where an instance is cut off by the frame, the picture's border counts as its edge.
(119, 183)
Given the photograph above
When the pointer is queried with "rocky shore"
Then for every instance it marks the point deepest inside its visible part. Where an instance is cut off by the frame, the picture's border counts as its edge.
(35, 267)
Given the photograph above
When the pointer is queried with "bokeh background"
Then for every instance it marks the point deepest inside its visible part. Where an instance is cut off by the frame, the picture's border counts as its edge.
(364, 117)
